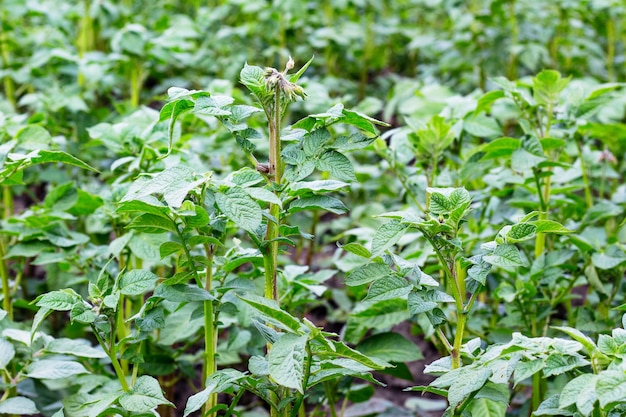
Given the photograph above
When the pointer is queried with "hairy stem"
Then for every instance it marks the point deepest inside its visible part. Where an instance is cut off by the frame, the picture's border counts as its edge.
(210, 333)
(275, 170)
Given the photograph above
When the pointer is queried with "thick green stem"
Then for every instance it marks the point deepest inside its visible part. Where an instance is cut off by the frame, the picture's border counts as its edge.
(121, 330)
(112, 354)
(512, 70)
(610, 49)
(537, 394)
(136, 82)
(7, 305)
(275, 170)
(544, 195)
(367, 53)
(85, 37)
(311, 252)
(9, 86)
(585, 174)
(270, 251)
(210, 333)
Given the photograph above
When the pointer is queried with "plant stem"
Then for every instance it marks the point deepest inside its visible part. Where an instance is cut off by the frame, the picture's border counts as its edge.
(270, 257)
(136, 81)
(544, 195)
(610, 49)
(9, 86)
(112, 354)
(585, 174)
(85, 38)
(512, 70)
(536, 395)
(311, 252)
(210, 334)
(120, 326)
(368, 43)
(298, 406)
(7, 305)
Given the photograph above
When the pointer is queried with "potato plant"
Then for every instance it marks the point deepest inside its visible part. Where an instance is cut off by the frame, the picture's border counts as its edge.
(426, 218)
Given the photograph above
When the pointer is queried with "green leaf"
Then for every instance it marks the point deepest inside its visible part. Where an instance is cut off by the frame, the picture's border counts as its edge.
(550, 407)
(465, 383)
(435, 137)
(387, 288)
(270, 310)
(142, 207)
(80, 348)
(261, 194)
(521, 232)
(150, 223)
(356, 248)
(527, 369)
(382, 314)
(33, 137)
(320, 186)
(571, 393)
(137, 282)
(344, 351)
(313, 142)
(54, 369)
(337, 164)
(390, 347)
(522, 160)
(7, 352)
(550, 226)
(43, 156)
(486, 100)
(172, 111)
(217, 382)
(604, 261)
(83, 404)
(212, 105)
(482, 126)
(547, 86)
(174, 184)
(296, 76)
(318, 202)
(239, 207)
(557, 364)
(181, 293)
(20, 406)
(361, 121)
(286, 361)
(367, 273)
(62, 300)
(169, 248)
(505, 256)
(387, 235)
(82, 314)
(487, 408)
(500, 147)
(253, 78)
(144, 396)
(580, 337)
(611, 387)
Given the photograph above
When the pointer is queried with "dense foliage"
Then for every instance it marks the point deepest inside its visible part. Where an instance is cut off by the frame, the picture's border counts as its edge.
(195, 223)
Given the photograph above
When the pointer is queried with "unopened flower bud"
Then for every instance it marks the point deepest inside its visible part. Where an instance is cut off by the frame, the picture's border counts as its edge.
(290, 64)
